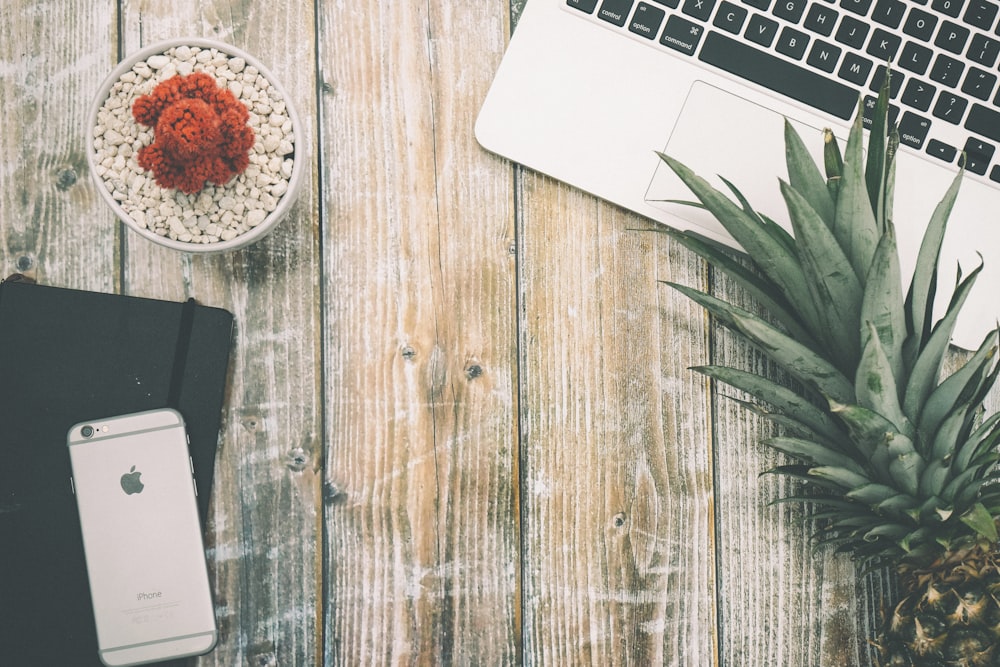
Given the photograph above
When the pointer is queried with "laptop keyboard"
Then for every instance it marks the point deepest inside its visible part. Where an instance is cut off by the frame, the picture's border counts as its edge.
(825, 53)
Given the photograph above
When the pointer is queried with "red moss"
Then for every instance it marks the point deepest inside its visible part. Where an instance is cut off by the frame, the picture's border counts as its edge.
(200, 133)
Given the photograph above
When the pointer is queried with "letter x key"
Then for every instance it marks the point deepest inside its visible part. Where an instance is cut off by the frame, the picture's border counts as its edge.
(699, 9)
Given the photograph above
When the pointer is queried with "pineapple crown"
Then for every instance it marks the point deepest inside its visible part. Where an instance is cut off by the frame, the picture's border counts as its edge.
(898, 460)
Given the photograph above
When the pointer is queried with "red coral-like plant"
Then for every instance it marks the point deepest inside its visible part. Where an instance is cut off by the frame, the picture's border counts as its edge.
(200, 133)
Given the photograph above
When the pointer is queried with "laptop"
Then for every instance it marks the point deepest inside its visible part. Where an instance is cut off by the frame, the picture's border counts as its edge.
(589, 90)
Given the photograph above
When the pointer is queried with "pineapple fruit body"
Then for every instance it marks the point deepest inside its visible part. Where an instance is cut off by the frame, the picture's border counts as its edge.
(897, 460)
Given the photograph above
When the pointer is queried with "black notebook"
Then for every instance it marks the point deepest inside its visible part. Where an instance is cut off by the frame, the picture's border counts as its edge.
(67, 356)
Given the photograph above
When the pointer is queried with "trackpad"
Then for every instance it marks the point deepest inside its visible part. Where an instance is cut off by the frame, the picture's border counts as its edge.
(719, 133)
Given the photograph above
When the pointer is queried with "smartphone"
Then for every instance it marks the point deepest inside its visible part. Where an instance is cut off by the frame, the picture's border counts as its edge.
(142, 537)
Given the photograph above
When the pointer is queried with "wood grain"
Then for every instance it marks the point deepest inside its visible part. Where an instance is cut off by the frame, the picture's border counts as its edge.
(53, 225)
(460, 427)
(617, 476)
(264, 533)
(422, 543)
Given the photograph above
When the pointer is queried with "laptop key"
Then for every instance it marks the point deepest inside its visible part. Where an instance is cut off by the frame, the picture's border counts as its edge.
(918, 94)
(985, 121)
(647, 20)
(984, 50)
(730, 17)
(979, 83)
(790, 10)
(762, 30)
(950, 107)
(857, 6)
(920, 25)
(792, 43)
(950, 7)
(981, 13)
(821, 19)
(852, 32)
(615, 11)
(913, 130)
(947, 71)
(978, 155)
(952, 37)
(682, 35)
(941, 150)
(779, 75)
(889, 12)
(583, 5)
(915, 57)
(699, 9)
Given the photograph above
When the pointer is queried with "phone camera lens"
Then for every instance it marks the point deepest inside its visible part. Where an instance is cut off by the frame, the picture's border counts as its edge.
(87, 431)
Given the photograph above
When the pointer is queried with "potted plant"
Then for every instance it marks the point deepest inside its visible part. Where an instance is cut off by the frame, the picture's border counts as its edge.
(897, 461)
(195, 146)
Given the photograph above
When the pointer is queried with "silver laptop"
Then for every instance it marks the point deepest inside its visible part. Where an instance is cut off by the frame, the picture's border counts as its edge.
(588, 90)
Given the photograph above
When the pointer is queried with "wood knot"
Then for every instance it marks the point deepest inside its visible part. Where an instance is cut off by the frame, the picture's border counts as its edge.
(297, 459)
(619, 519)
(65, 179)
(333, 494)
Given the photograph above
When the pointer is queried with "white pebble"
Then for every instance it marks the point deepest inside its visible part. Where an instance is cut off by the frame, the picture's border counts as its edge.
(255, 217)
(158, 61)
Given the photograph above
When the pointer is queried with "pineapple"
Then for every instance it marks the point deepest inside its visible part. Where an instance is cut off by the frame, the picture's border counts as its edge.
(897, 462)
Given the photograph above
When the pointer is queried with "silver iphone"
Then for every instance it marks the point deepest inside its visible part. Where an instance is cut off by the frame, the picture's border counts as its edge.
(136, 495)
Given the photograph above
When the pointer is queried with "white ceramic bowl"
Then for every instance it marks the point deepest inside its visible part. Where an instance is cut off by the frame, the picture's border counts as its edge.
(242, 240)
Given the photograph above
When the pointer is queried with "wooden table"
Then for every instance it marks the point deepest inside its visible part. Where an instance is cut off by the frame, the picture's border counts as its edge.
(460, 426)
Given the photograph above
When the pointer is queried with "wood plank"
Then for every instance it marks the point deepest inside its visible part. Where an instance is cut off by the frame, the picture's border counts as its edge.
(780, 602)
(617, 507)
(53, 225)
(264, 533)
(422, 549)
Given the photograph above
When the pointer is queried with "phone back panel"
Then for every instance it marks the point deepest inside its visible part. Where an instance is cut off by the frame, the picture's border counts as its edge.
(142, 537)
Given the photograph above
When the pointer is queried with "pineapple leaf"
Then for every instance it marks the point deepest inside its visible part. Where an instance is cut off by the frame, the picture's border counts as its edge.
(766, 247)
(927, 367)
(842, 477)
(801, 472)
(891, 531)
(831, 278)
(833, 162)
(982, 440)
(781, 398)
(801, 362)
(869, 432)
(873, 494)
(945, 440)
(875, 385)
(934, 478)
(762, 289)
(979, 519)
(879, 156)
(905, 464)
(855, 226)
(805, 177)
(920, 297)
(790, 426)
(814, 453)
(947, 395)
(882, 304)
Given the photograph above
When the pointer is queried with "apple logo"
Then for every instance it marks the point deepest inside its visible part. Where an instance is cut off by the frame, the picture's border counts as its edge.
(131, 482)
